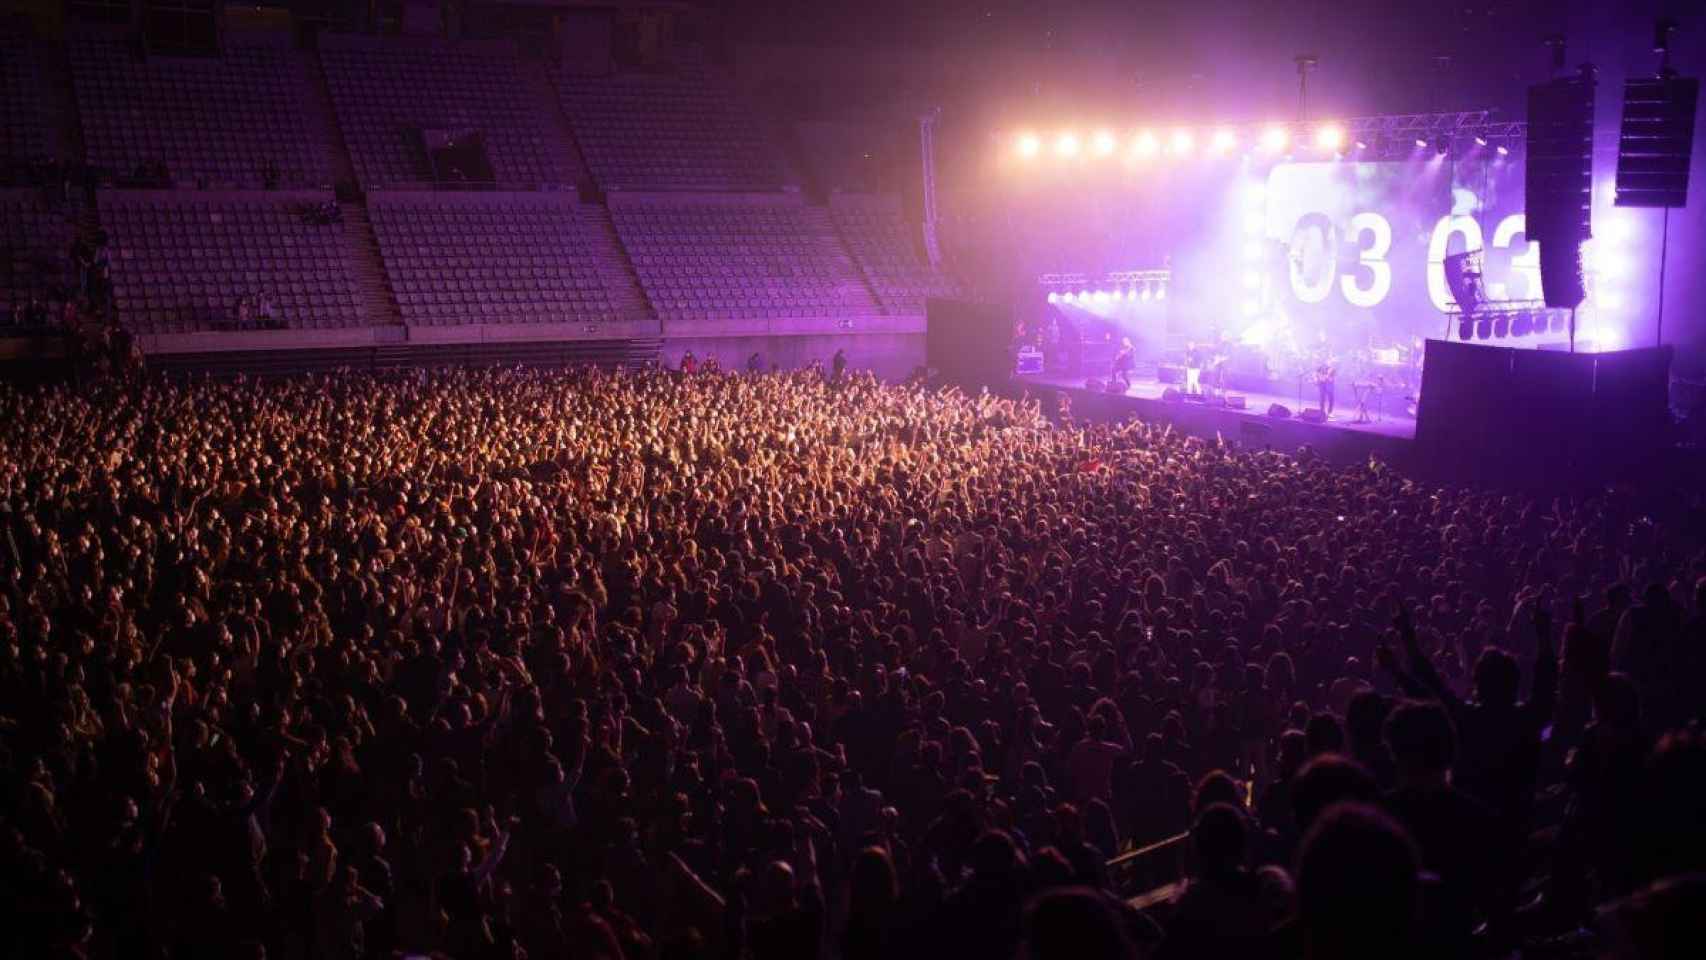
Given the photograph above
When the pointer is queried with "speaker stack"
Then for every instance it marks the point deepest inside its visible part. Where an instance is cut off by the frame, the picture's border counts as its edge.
(1656, 142)
(1558, 181)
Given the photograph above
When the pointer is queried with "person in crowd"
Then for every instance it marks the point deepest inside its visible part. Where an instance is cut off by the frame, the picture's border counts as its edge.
(638, 665)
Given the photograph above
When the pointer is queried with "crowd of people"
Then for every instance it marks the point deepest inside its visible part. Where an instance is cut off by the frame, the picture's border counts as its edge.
(511, 663)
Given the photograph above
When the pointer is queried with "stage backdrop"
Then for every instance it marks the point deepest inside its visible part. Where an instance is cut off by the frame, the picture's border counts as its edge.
(1334, 252)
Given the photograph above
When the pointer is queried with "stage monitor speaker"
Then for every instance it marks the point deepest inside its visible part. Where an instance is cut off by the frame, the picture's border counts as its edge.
(1561, 273)
(1171, 395)
(1119, 386)
(1558, 171)
(1312, 415)
(1235, 401)
(1657, 141)
(1096, 385)
(1279, 411)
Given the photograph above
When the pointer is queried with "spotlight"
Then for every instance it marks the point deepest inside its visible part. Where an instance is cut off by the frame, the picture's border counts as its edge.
(1421, 144)
(1224, 140)
(1254, 223)
(1100, 296)
(1254, 194)
(1182, 142)
(1161, 291)
(1480, 141)
(1252, 280)
(1274, 139)
(1119, 294)
(1147, 293)
(1083, 296)
(1145, 145)
(1330, 137)
(1361, 146)
(1067, 145)
(1504, 150)
(1029, 146)
(1104, 143)
(1053, 297)
(1252, 250)
(1606, 300)
(1251, 308)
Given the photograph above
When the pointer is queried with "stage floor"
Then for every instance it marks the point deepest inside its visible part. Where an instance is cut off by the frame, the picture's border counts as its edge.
(1389, 434)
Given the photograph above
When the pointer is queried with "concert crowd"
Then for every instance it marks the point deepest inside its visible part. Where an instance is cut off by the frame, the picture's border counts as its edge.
(782, 666)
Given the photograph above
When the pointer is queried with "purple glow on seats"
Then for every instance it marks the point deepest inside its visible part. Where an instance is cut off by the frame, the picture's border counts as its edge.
(381, 90)
(886, 248)
(183, 261)
(739, 258)
(683, 131)
(456, 258)
(34, 240)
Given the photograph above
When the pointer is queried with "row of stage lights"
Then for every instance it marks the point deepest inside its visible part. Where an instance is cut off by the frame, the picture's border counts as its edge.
(1330, 138)
(1136, 293)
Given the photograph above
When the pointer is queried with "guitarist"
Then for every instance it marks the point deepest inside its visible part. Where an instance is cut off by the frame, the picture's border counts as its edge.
(1325, 373)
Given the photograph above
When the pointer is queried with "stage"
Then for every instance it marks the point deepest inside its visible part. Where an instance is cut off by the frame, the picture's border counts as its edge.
(1389, 435)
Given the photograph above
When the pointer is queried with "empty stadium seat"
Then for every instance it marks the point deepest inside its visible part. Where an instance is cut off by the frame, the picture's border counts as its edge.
(35, 244)
(228, 119)
(383, 90)
(182, 261)
(736, 259)
(882, 244)
(686, 130)
(489, 258)
(25, 134)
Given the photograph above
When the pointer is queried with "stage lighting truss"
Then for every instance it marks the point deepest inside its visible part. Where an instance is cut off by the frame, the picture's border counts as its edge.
(1143, 286)
(1392, 137)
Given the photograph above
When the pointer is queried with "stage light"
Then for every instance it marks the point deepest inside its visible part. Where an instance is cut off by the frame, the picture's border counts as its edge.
(1182, 142)
(1361, 145)
(1254, 223)
(1480, 141)
(1067, 145)
(1330, 137)
(1119, 294)
(1613, 267)
(1617, 230)
(1252, 280)
(1053, 297)
(1104, 143)
(1252, 250)
(1274, 139)
(1083, 296)
(1147, 293)
(1251, 308)
(1607, 300)
(1100, 296)
(1504, 150)
(1224, 140)
(1161, 291)
(1145, 145)
(1029, 146)
(1421, 144)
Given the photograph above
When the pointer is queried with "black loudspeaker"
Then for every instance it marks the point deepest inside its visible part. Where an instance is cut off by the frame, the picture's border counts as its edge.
(1171, 395)
(1656, 142)
(1312, 415)
(1235, 401)
(1119, 386)
(1558, 172)
(1096, 385)
(1279, 411)
(1560, 274)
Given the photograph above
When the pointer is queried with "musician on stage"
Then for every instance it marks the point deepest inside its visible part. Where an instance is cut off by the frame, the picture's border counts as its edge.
(1325, 373)
(1124, 362)
(1193, 369)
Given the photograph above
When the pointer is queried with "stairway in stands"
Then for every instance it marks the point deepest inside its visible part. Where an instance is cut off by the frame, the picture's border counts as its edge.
(559, 132)
(856, 291)
(379, 305)
(621, 281)
(378, 302)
